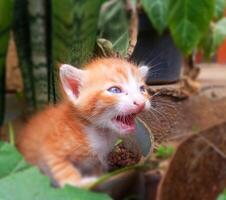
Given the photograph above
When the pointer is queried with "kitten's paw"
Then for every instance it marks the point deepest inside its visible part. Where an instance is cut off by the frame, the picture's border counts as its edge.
(84, 182)
(87, 181)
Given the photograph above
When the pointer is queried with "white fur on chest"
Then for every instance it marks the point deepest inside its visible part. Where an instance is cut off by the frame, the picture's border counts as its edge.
(101, 142)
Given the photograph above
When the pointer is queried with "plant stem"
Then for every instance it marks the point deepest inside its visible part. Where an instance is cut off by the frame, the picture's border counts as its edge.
(107, 176)
(11, 134)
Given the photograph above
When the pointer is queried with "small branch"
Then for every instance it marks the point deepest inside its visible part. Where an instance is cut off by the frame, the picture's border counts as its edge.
(133, 28)
(190, 68)
(107, 176)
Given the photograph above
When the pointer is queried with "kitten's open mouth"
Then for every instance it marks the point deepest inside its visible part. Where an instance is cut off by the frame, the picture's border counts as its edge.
(125, 122)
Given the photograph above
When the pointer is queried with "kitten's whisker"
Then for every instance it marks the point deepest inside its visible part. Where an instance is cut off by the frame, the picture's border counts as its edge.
(159, 103)
(155, 65)
(154, 115)
(159, 113)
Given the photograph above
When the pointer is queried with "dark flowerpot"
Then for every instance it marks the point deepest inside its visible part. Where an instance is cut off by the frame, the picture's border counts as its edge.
(157, 52)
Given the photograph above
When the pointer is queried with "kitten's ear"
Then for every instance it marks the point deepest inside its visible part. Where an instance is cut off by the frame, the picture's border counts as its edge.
(71, 79)
(144, 70)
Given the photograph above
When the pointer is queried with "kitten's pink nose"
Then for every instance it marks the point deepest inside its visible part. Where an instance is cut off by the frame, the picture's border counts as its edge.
(140, 106)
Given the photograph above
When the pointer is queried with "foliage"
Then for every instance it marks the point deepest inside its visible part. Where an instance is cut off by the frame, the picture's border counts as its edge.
(189, 22)
(222, 196)
(21, 32)
(165, 152)
(6, 14)
(48, 33)
(219, 8)
(19, 181)
(157, 12)
(74, 29)
(113, 25)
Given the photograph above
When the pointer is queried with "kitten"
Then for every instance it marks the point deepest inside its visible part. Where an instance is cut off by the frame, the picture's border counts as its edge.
(73, 138)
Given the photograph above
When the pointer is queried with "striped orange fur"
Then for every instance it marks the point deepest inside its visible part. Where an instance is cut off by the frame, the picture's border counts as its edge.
(70, 141)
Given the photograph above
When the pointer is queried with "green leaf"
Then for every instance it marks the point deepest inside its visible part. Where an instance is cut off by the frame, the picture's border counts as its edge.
(188, 22)
(74, 30)
(165, 151)
(19, 181)
(222, 196)
(6, 14)
(157, 11)
(30, 184)
(214, 38)
(10, 160)
(113, 25)
(219, 8)
(219, 33)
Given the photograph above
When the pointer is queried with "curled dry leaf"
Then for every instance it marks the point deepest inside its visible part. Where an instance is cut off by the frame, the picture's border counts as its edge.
(198, 168)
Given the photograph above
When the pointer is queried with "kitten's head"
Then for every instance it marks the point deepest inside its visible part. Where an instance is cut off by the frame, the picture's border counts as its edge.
(108, 92)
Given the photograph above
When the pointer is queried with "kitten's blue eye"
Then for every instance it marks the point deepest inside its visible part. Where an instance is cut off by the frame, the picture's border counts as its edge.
(115, 90)
(142, 88)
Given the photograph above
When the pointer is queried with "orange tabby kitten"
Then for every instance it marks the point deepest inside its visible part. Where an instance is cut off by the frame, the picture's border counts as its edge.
(73, 138)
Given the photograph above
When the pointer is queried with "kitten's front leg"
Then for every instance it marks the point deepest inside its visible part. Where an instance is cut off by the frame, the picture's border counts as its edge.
(63, 173)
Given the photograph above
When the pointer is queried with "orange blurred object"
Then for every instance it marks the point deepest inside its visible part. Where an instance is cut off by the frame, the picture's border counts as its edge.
(221, 54)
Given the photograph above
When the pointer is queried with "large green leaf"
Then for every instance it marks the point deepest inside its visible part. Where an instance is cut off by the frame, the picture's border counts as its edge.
(113, 25)
(30, 184)
(74, 29)
(157, 11)
(10, 160)
(219, 8)
(6, 14)
(19, 181)
(222, 196)
(188, 21)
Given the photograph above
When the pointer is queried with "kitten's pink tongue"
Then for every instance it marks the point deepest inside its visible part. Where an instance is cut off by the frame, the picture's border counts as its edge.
(126, 122)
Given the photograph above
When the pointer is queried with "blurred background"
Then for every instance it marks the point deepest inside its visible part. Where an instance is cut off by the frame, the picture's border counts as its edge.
(183, 42)
(36, 36)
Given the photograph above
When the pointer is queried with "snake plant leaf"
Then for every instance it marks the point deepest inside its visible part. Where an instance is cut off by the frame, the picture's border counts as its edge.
(157, 12)
(38, 35)
(6, 15)
(110, 28)
(74, 29)
(188, 21)
(22, 38)
(220, 6)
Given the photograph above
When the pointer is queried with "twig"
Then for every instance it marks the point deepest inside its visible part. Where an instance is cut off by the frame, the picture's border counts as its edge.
(107, 176)
(133, 29)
